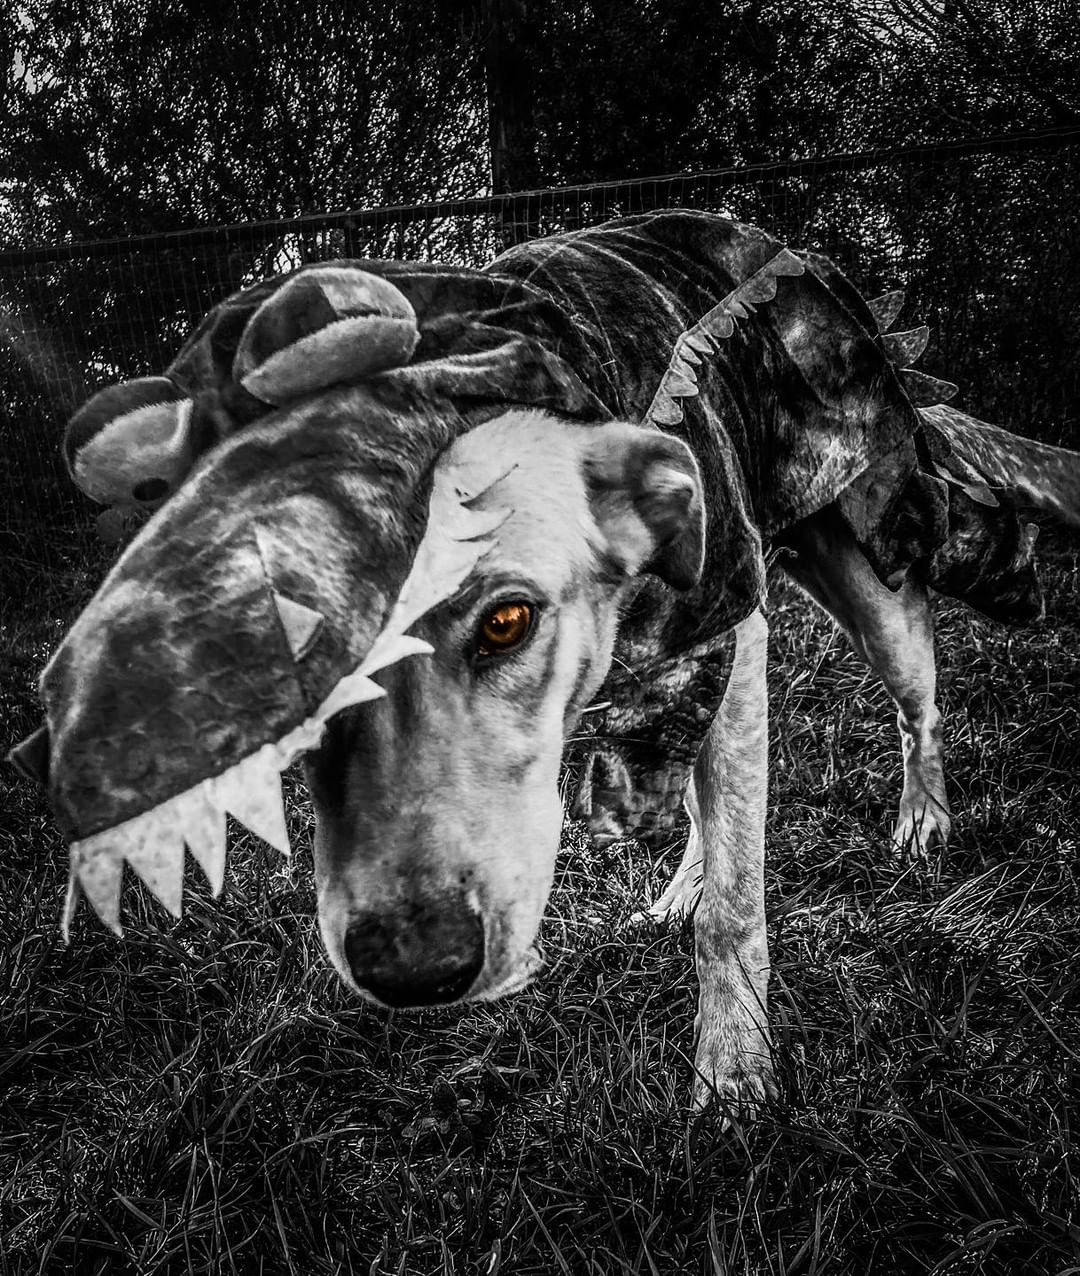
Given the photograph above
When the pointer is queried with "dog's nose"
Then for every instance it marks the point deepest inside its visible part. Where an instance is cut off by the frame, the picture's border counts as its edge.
(420, 955)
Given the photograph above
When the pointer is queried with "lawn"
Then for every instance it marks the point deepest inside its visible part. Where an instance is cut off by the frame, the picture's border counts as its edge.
(203, 1097)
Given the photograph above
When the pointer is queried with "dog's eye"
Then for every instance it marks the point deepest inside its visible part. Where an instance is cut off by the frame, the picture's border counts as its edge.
(504, 629)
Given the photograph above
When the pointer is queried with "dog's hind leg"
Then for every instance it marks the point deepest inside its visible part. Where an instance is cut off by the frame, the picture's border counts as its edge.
(894, 634)
(733, 1061)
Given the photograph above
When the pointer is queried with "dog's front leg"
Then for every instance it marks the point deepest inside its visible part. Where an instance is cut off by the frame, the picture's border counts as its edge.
(733, 1061)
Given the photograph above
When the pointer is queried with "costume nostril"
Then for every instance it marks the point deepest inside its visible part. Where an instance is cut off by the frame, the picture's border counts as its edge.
(418, 955)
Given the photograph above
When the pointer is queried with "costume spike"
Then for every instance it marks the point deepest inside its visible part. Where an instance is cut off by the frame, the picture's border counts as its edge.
(759, 287)
(681, 367)
(679, 387)
(687, 352)
(785, 263)
(697, 339)
(981, 494)
(924, 391)
(665, 411)
(886, 308)
(903, 348)
(301, 624)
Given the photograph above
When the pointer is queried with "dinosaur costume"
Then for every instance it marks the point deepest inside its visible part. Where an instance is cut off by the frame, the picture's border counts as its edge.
(291, 448)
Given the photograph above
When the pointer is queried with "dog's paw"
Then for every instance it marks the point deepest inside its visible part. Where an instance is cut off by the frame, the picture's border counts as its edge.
(678, 901)
(733, 1075)
(923, 824)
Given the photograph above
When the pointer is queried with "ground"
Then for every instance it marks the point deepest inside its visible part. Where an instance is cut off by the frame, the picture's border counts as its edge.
(204, 1097)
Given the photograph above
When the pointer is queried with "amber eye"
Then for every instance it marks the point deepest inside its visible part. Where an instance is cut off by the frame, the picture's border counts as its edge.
(504, 629)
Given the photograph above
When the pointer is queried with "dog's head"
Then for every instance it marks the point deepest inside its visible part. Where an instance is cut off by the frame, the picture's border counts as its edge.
(279, 566)
(438, 810)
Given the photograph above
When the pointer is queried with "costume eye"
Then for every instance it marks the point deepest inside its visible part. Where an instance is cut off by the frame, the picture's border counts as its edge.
(504, 629)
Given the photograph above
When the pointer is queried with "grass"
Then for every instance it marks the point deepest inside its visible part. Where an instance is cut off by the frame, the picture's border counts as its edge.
(203, 1097)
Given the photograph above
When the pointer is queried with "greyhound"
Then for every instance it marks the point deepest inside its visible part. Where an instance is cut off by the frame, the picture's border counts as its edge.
(410, 523)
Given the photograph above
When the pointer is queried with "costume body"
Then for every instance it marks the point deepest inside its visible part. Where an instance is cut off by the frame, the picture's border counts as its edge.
(319, 496)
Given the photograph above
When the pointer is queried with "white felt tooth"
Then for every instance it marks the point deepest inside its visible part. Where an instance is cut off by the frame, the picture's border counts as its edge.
(202, 821)
(354, 688)
(686, 352)
(390, 647)
(251, 790)
(154, 847)
(100, 869)
(71, 899)
(300, 623)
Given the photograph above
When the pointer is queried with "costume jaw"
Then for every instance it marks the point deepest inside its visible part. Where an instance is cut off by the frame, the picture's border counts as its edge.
(254, 607)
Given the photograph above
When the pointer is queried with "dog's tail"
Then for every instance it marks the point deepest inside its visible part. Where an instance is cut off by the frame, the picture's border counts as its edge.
(1031, 475)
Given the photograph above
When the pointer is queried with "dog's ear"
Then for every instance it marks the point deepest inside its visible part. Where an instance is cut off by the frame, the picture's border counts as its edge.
(646, 496)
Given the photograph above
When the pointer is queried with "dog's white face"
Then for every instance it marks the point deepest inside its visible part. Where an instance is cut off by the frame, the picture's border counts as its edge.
(438, 811)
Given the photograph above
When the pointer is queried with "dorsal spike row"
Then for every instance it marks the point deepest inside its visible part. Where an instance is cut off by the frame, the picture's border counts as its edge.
(680, 379)
(902, 349)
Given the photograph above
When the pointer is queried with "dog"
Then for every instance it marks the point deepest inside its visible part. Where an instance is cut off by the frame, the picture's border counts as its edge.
(510, 518)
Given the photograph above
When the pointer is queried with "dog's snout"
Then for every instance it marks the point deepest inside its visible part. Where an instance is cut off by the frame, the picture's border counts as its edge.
(418, 955)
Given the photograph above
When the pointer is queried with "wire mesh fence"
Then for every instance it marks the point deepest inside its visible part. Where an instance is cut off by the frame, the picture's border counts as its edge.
(984, 235)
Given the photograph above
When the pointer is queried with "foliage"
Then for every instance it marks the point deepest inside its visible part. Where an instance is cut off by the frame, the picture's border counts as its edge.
(124, 116)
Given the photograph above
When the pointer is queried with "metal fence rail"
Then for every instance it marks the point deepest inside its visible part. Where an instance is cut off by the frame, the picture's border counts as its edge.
(984, 234)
